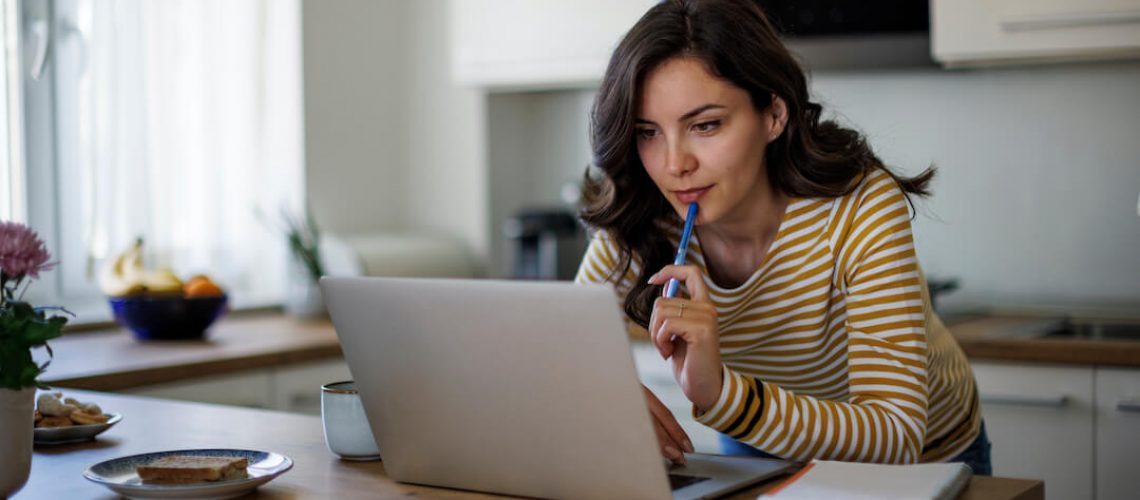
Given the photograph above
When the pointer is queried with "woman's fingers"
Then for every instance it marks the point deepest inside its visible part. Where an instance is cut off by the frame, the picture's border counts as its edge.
(669, 449)
(689, 275)
(670, 435)
(678, 313)
(679, 319)
(673, 429)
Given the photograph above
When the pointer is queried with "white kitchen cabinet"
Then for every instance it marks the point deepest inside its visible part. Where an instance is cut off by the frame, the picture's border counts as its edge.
(1117, 434)
(1040, 421)
(293, 388)
(981, 32)
(532, 44)
(252, 389)
(297, 388)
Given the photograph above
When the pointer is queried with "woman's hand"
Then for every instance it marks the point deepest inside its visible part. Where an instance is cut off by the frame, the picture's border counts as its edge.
(670, 435)
(685, 331)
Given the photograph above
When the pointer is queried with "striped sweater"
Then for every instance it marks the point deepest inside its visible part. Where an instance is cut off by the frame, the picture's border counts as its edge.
(830, 349)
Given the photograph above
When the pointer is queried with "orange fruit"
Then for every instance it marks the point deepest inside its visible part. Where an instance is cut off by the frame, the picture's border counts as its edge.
(198, 277)
(201, 286)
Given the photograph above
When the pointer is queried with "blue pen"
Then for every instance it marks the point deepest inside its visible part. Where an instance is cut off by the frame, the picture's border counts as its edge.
(671, 287)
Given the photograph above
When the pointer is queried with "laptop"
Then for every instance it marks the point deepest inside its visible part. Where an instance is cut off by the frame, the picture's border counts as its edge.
(512, 387)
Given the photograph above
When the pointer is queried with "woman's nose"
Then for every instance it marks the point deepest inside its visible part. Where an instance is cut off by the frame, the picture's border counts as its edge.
(678, 160)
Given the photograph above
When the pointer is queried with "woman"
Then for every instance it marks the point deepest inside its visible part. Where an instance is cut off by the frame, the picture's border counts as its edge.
(806, 329)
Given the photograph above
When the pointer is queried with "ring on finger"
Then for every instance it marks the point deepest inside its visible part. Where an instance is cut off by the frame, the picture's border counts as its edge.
(682, 313)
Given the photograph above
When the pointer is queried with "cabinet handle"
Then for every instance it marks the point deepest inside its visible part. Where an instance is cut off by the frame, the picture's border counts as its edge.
(1032, 23)
(1128, 405)
(1056, 401)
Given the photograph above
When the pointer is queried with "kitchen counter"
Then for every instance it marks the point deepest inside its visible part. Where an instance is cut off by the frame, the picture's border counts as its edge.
(1016, 338)
(150, 425)
(112, 360)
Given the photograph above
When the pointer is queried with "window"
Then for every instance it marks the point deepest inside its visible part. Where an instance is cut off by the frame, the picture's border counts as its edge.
(174, 121)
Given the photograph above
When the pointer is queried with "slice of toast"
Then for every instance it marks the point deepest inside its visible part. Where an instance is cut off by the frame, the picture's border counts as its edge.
(180, 469)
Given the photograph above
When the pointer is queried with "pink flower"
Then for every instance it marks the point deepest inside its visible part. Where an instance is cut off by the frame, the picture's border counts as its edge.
(22, 252)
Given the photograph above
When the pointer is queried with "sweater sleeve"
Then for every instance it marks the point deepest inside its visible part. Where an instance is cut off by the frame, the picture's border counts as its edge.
(883, 418)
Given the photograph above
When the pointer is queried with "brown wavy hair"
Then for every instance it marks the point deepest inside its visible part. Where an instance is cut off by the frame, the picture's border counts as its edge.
(737, 43)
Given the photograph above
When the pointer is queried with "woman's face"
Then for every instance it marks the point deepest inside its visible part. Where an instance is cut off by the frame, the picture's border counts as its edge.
(701, 140)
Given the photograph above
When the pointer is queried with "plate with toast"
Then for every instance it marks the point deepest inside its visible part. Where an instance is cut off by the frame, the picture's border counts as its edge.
(204, 473)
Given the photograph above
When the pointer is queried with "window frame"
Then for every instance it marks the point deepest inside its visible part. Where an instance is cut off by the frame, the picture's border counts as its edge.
(39, 167)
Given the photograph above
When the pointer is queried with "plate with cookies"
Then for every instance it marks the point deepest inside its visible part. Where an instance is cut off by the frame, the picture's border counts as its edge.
(203, 473)
(61, 420)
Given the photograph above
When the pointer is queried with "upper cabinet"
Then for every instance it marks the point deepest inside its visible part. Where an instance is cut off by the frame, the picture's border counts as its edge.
(983, 32)
(521, 44)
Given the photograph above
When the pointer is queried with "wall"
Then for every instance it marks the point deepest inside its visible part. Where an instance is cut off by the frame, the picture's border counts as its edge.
(392, 145)
(1039, 171)
(355, 55)
(447, 166)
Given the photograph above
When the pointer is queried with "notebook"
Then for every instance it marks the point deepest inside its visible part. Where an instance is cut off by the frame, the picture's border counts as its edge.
(850, 480)
(522, 388)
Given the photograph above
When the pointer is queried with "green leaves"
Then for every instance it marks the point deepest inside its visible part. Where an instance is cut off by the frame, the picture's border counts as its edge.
(304, 241)
(23, 328)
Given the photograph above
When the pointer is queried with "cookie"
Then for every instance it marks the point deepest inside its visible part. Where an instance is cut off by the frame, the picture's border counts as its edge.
(86, 419)
(55, 421)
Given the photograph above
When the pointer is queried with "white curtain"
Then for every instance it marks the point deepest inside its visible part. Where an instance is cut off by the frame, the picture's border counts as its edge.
(11, 136)
(189, 121)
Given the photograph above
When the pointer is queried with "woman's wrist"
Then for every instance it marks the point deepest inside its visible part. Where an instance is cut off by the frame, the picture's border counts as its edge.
(710, 396)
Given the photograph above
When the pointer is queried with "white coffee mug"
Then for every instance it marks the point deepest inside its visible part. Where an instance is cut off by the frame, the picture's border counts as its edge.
(347, 433)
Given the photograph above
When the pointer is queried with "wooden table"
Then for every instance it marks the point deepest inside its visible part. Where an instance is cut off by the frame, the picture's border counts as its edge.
(156, 425)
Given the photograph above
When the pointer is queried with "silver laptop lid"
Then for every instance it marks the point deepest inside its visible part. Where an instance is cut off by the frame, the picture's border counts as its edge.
(525, 388)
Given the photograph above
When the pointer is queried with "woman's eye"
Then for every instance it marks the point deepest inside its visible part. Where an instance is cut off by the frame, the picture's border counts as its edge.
(646, 133)
(705, 127)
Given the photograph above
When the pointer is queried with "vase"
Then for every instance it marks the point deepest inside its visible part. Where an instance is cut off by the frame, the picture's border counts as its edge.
(17, 417)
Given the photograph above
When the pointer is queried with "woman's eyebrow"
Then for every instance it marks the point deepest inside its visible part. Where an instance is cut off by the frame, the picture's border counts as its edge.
(698, 110)
(694, 112)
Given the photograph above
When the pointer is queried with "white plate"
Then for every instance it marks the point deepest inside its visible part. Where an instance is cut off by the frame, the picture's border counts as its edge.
(119, 475)
(75, 433)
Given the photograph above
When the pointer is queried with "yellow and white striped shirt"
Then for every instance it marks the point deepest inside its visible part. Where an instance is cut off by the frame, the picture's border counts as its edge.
(831, 349)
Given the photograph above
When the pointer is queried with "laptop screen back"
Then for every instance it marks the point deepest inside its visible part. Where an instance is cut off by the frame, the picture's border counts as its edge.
(525, 388)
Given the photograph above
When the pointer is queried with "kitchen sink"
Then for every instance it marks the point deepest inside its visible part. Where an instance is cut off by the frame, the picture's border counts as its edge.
(1079, 329)
(1095, 330)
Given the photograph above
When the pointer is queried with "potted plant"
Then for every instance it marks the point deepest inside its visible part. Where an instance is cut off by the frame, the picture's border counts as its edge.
(22, 328)
(303, 298)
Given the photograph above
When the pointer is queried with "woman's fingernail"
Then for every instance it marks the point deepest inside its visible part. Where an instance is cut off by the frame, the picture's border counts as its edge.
(689, 446)
(672, 452)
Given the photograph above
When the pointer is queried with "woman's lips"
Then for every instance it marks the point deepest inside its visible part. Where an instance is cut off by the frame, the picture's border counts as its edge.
(691, 195)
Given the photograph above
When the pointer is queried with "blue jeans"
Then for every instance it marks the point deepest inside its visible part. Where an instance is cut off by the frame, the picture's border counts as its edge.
(976, 456)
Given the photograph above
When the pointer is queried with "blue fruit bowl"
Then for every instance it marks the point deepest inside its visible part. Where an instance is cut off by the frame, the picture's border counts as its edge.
(168, 318)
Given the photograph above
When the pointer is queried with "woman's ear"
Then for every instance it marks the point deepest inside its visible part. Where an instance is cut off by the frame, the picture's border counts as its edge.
(776, 117)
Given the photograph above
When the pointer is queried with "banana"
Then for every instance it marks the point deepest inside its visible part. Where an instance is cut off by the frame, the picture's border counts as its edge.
(132, 270)
(111, 279)
(162, 281)
(126, 275)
